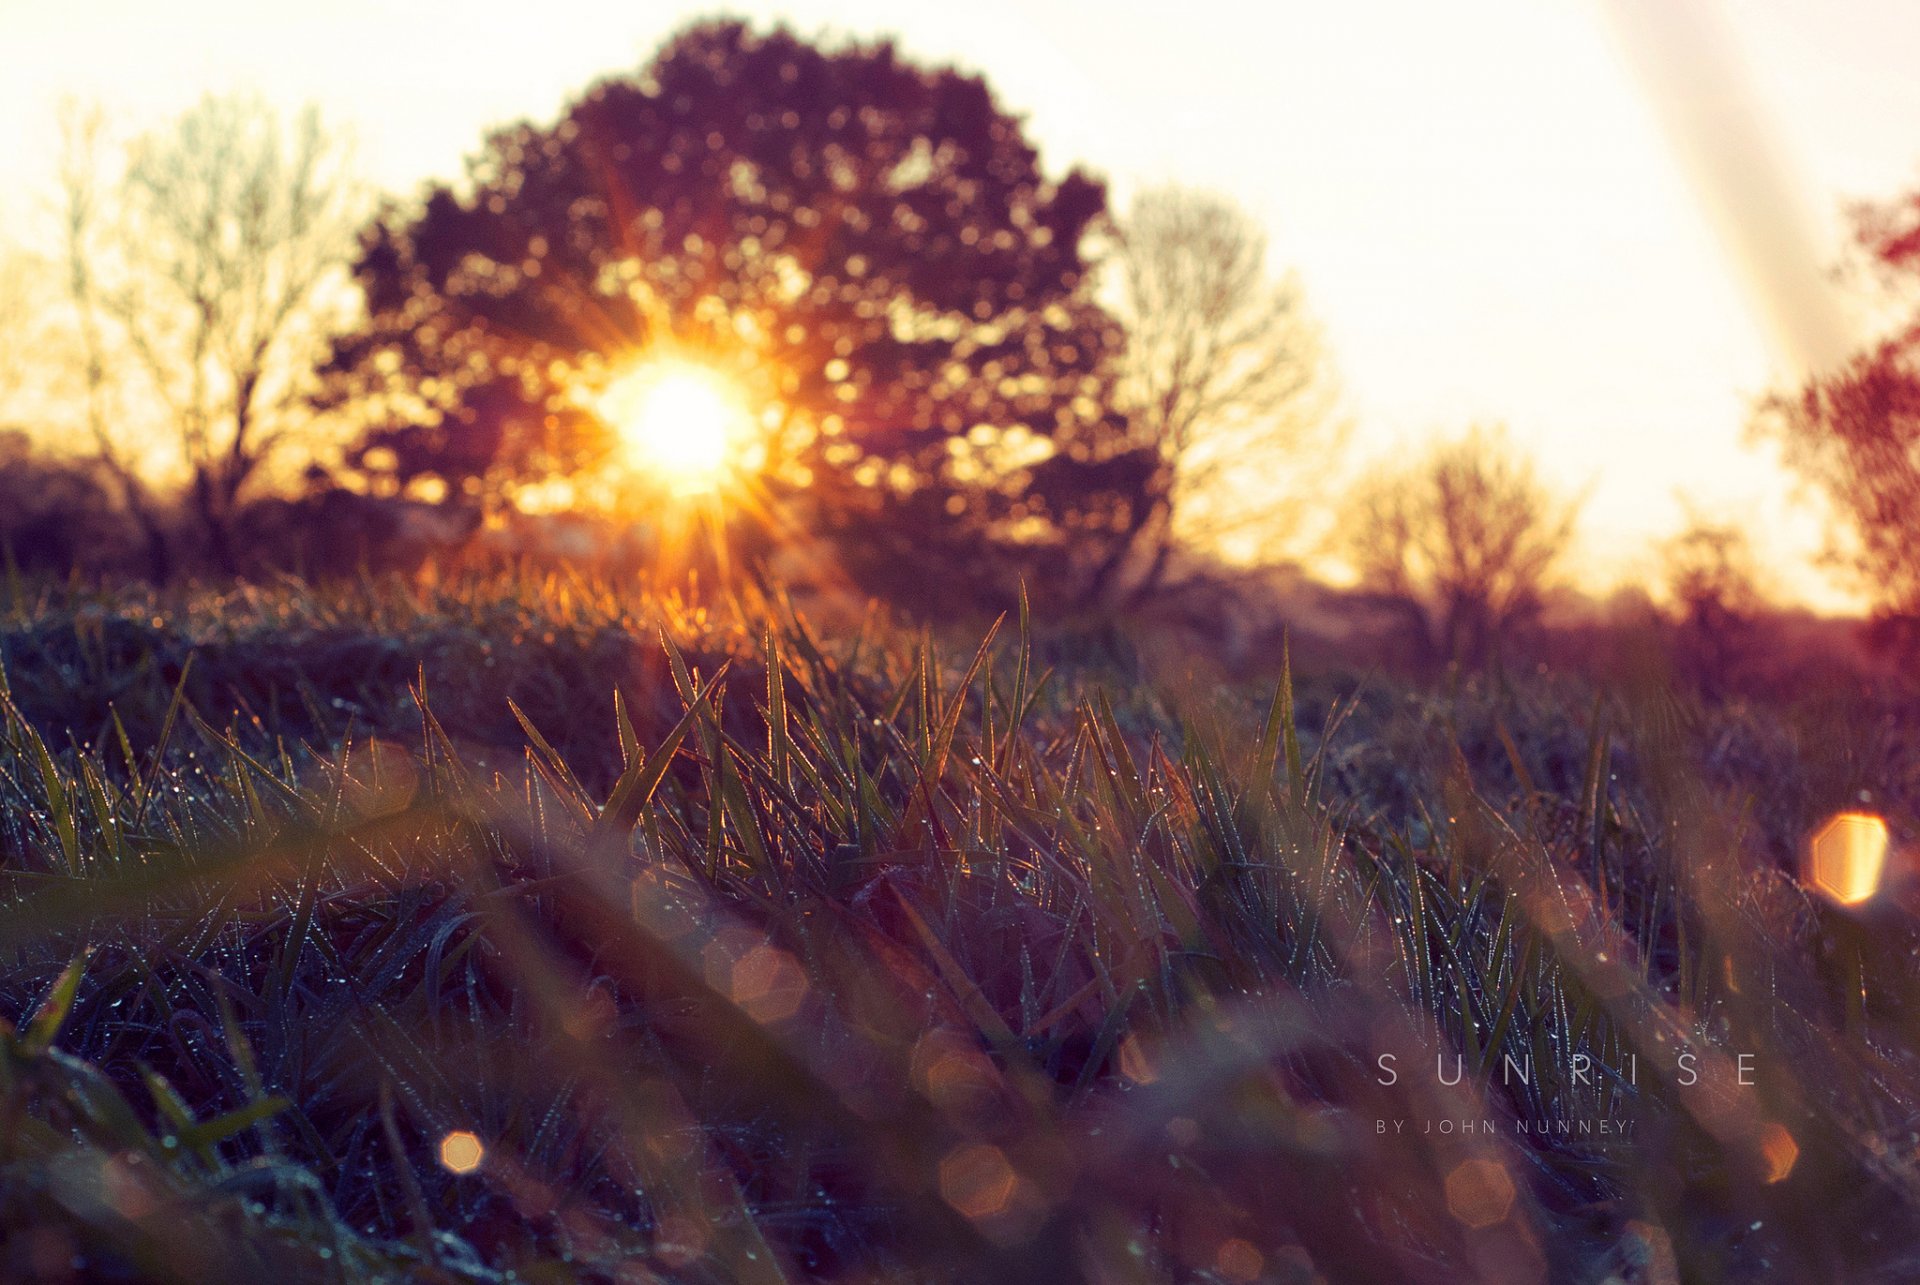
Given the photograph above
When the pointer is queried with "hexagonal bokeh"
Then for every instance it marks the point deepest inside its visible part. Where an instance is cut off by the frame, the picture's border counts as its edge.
(1480, 1193)
(1847, 857)
(977, 1180)
(461, 1151)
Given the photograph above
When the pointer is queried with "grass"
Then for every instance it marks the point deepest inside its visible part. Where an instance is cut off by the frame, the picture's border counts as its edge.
(754, 955)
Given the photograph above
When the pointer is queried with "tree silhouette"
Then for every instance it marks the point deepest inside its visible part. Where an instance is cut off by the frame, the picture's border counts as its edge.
(1712, 579)
(1467, 537)
(869, 247)
(1855, 432)
(57, 515)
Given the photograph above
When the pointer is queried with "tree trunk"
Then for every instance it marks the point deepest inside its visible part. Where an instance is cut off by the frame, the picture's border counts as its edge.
(214, 521)
(158, 547)
(1155, 516)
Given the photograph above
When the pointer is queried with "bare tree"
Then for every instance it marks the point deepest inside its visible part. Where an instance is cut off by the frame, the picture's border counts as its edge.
(1712, 580)
(1468, 538)
(209, 262)
(1224, 379)
(1710, 572)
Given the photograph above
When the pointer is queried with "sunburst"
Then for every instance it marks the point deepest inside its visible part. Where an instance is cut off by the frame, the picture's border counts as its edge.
(680, 422)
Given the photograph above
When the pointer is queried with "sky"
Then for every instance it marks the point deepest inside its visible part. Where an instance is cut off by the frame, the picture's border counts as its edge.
(1605, 223)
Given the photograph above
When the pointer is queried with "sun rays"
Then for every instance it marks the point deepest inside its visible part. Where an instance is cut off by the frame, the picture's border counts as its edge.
(683, 423)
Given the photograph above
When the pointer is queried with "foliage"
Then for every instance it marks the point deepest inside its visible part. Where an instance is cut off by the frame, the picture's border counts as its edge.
(1854, 432)
(816, 958)
(869, 246)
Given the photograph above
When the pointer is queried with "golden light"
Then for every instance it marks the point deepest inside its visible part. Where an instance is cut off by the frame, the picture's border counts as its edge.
(1137, 1062)
(680, 421)
(1847, 856)
(461, 1152)
(1779, 1150)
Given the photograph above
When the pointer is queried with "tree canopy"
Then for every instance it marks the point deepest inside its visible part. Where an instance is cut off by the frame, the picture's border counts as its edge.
(869, 247)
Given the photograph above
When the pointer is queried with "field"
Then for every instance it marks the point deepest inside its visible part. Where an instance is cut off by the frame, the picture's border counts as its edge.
(524, 929)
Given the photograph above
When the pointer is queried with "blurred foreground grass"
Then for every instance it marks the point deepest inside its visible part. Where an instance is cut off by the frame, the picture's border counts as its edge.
(512, 930)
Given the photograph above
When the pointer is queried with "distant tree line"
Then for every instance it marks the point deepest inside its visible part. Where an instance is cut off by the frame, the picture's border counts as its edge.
(975, 373)
(869, 246)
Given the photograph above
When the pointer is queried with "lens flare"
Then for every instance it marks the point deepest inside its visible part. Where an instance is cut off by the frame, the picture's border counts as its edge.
(461, 1152)
(1480, 1193)
(1779, 1151)
(1847, 857)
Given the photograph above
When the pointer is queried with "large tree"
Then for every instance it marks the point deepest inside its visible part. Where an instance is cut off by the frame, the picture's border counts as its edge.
(870, 247)
(1855, 432)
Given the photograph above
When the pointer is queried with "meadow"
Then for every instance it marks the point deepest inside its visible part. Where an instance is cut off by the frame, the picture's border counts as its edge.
(534, 928)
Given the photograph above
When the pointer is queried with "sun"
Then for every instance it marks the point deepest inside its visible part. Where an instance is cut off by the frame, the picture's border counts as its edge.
(680, 422)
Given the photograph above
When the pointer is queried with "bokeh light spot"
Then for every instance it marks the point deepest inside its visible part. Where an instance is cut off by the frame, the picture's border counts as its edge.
(953, 1073)
(977, 1180)
(1137, 1062)
(461, 1152)
(1779, 1150)
(768, 983)
(1847, 857)
(1479, 1193)
(1238, 1260)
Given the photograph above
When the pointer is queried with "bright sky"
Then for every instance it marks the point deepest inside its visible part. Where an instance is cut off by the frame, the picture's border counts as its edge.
(1545, 213)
